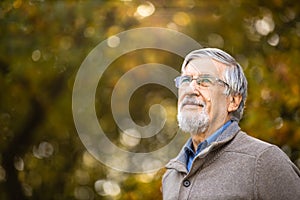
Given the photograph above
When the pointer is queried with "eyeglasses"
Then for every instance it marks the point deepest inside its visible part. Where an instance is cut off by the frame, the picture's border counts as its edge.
(204, 81)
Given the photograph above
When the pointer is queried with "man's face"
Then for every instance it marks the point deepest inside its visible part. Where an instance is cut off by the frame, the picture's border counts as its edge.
(202, 109)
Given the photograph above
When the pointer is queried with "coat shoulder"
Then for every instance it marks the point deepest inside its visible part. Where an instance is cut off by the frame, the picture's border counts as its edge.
(246, 144)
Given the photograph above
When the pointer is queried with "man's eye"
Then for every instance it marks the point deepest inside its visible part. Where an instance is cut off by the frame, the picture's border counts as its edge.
(206, 82)
(185, 80)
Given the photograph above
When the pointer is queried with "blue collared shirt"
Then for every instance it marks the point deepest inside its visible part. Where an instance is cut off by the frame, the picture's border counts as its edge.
(188, 148)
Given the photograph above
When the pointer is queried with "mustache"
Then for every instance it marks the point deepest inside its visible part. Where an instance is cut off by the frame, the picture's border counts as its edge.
(192, 101)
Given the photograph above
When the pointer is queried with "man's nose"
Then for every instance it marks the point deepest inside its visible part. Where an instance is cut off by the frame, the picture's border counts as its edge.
(193, 88)
(194, 83)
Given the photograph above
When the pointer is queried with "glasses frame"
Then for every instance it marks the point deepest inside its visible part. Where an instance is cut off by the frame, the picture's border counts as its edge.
(199, 80)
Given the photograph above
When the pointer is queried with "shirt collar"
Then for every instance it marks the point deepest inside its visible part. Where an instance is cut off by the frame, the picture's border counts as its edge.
(215, 135)
(188, 146)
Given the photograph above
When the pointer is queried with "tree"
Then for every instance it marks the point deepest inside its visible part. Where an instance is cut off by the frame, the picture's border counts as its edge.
(44, 43)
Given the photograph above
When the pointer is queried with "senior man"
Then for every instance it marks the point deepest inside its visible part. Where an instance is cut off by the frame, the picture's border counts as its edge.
(220, 161)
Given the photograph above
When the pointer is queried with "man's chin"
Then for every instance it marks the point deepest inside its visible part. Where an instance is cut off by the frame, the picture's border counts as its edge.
(189, 124)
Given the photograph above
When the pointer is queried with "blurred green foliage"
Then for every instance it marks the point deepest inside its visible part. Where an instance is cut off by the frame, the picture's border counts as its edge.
(43, 44)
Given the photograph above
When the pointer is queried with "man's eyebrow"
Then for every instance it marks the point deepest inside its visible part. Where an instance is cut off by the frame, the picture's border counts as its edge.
(205, 75)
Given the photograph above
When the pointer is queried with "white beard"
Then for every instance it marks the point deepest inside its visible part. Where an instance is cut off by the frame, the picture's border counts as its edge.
(193, 123)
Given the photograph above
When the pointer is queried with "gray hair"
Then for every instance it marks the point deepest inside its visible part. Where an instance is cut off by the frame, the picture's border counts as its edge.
(233, 75)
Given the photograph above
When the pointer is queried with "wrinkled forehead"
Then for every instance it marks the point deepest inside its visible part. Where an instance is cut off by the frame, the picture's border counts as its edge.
(199, 66)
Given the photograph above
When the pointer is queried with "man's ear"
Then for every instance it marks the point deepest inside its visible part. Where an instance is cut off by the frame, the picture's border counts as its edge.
(234, 103)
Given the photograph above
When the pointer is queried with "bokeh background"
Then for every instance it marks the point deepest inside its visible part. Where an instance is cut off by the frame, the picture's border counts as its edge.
(43, 43)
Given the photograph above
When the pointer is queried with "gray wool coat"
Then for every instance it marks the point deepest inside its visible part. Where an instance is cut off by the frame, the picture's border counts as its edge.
(236, 166)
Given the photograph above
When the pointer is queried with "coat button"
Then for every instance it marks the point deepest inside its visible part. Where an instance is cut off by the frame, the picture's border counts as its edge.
(186, 183)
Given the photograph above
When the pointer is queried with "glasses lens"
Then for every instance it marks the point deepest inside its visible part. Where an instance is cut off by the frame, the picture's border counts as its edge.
(181, 80)
(185, 79)
(205, 81)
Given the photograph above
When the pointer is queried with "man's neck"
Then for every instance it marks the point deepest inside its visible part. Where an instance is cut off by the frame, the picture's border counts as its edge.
(197, 139)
